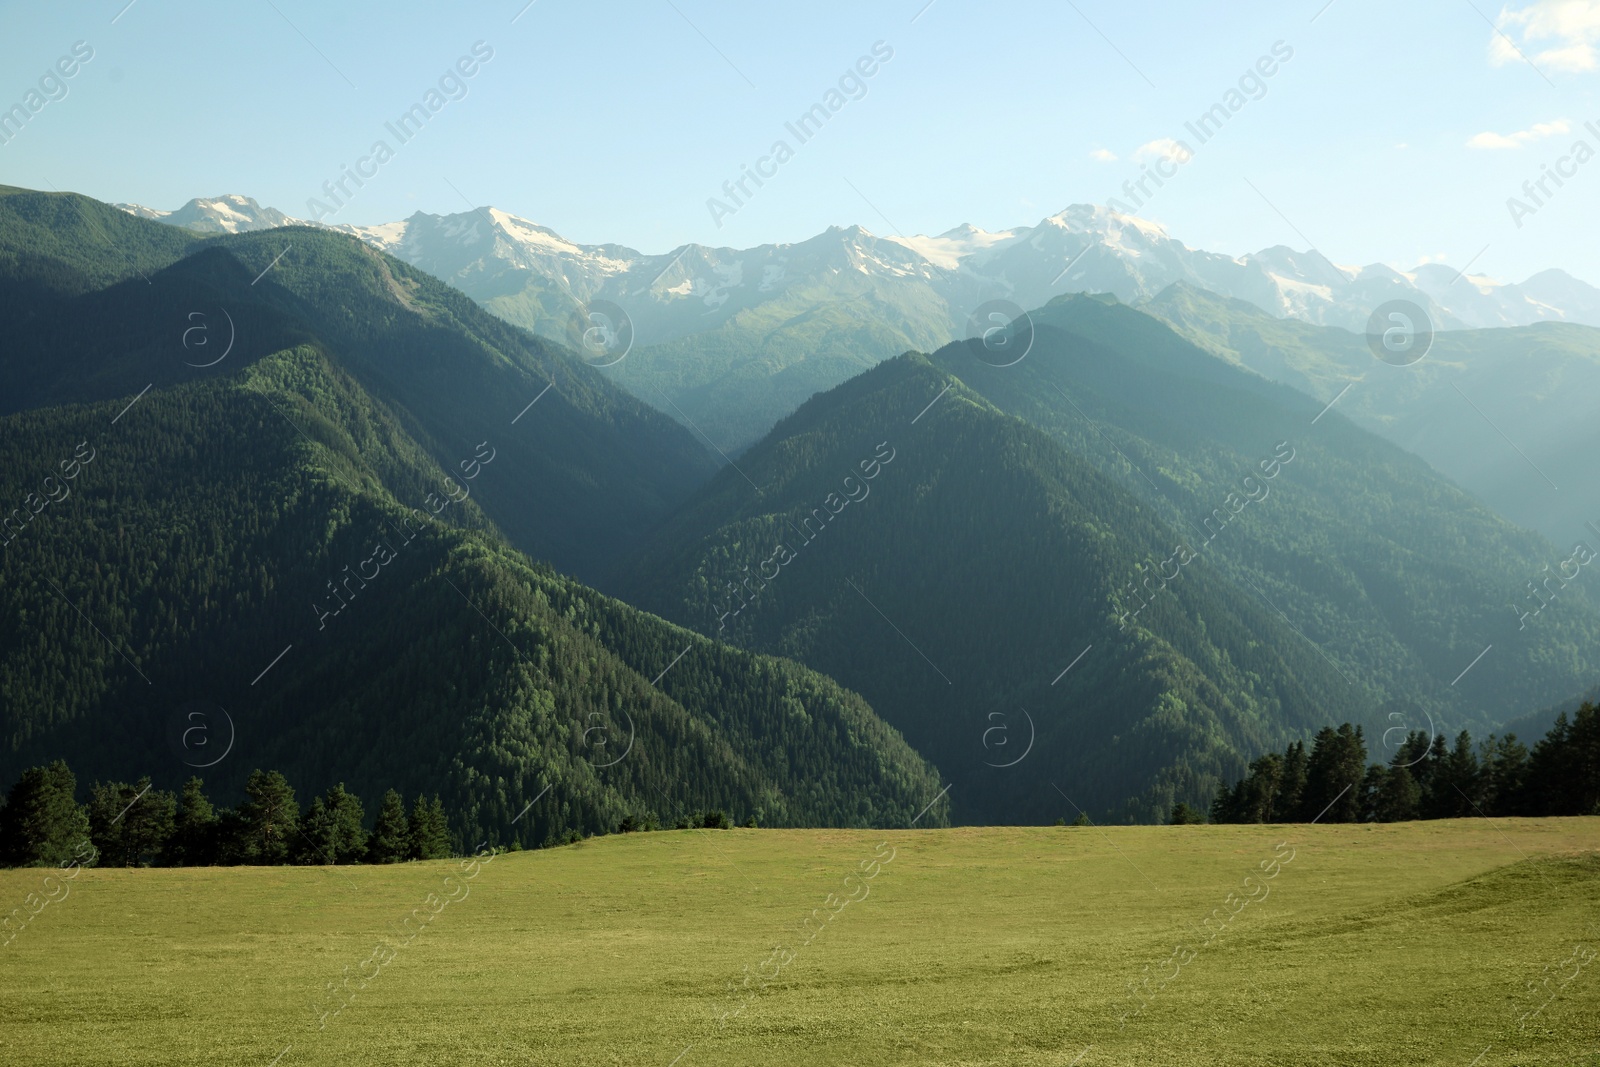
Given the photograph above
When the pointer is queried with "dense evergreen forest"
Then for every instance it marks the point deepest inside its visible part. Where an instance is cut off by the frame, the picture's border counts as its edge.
(207, 535)
(1392, 572)
(949, 564)
(1425, 778)
(286, 542)
(1243, 567)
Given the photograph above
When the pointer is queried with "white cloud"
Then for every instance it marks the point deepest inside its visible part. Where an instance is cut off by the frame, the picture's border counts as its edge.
(1163, 148)
(1558, 34)
(1492, 140)
(1537, 132)
(1101, 155)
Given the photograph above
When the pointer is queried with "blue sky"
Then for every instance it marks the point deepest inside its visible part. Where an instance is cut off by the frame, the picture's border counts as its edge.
(1394, 132)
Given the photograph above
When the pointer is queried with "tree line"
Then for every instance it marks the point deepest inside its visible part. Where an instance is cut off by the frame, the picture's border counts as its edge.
(1426, 778)
(133, 825)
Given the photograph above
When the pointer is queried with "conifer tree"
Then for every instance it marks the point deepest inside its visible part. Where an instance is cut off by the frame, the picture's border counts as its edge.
(42, 823)
(194, 834)
(1292, 791)
(269, 819)
(391, 837)
(314, 845)
(1504, 766)
(1184, 815)
(1456, 783)
(1564, 769)
(1398, 796)
(331, 831)
(429, 830)
(345, 814)
(130, 824)
(1334, 773)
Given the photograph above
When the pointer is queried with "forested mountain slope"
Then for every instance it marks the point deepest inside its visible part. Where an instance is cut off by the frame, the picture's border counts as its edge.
(292, 557)
(949, 561)
(585, 468)
(227, 546)
(1152, 501)
(1393, 572)
(1507, 413)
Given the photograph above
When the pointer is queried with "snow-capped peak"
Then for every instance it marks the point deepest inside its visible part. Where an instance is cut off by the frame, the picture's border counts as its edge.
(492, 254)
(1094, 218)
(229, 213)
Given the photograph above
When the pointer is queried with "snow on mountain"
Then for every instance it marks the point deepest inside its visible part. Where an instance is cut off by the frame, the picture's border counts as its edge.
(140, 211)
(231, 213)
(534, 276)
(948, 249)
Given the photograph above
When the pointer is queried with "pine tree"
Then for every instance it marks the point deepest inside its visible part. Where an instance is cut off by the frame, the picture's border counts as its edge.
(1224, 806)
(346, 815)
(391, 837)
(149, 821)
(1426, 770)
(1428, 779)
(1504, 772)
(1455, 782)
(270, 818)
(1372, 786)
(429, 831)
(1293, 789)
(1258, 797)
(105, 826)
(130, 824)
(313, 846)
(1184, 815)
(233, 838)
(42, 823)
(331, 831)
(1334, 773)
(1254, 797)
(1584, 789)
(1398, 796)
(194, 834)
(714, 819)
(1413, 751)
(1564, 769)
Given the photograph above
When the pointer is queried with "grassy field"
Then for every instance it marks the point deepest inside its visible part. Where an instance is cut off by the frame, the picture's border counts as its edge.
(1423, 943)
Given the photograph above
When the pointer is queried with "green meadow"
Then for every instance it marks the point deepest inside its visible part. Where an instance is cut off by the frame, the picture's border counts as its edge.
(1451, 942)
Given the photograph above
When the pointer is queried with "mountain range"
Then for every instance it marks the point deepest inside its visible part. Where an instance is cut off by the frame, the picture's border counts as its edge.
(1506, 413)
(736, 338)
(1108, 252)
(1227, 563)
(1104, 560)
(303, 531)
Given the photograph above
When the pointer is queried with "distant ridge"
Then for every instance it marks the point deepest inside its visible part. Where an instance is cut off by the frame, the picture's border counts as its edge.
(1106, 251)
